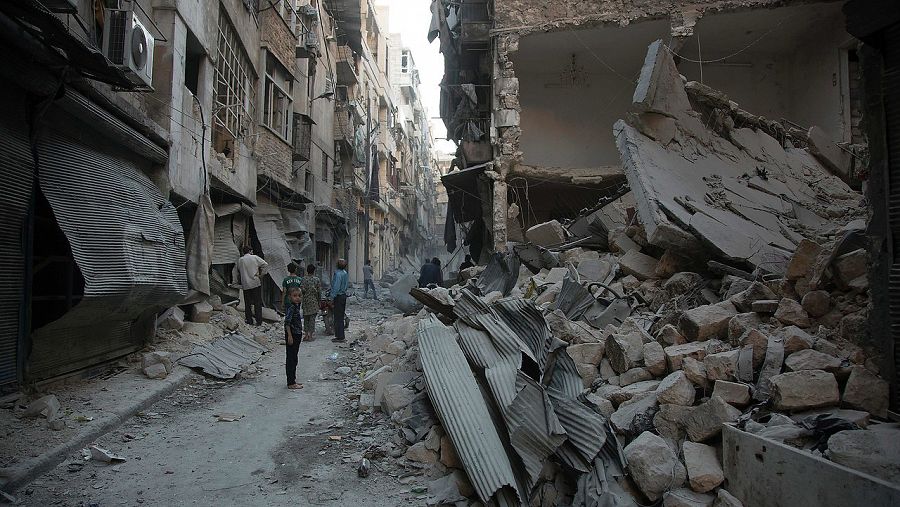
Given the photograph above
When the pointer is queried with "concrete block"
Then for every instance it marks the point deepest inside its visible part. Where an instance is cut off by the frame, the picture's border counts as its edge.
(703, 468)
(653, 465)
(642, 267)
(865, 391)
(705, 322)
(803, 390)
(546, 234)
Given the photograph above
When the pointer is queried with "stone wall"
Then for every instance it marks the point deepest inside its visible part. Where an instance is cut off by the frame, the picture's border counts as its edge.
(274, 157)
(276, 35)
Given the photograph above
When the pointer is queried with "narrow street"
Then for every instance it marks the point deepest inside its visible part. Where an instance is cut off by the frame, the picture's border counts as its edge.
(283, 450)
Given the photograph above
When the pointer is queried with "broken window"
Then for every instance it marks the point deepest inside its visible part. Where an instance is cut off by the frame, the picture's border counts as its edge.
(277, 93)
(234, 89)
(193, 60)
(302, 141)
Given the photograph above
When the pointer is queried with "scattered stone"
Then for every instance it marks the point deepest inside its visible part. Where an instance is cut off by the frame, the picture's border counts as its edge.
(803, 390)
(588, 373)
(555, 275)
(669, 335)
(682, 283)
(620, 242)
(57, 424)
(726, 499)
(433, 439)
(171, 319)
(653, 465)
(156, 371)
(795, 339)
(854, 328)
(790, 312)
(151, 358)
(571, 332)
(449, 457)
(816, 303)
(419, 453)
(635, 415)
(604, 406)
(624, 351)
(641, 266)
(366, 402)
(231, 323)
(740, 324)
(654, 358)
(546, 234)
(765, 306)
(47, 406)
(732, 392)
(743, 301)
(675, 354)
(396, 348)
(396, 397)
(875, 452)
(684, 497)
(722, 365)
(695, 371)
(371, 379)
(865, 391)
(587, 353)
(703, 468)
(705, 420)
(809, 359)
(803, 259)
(201, 312)
(620, 394)
(670, 263)
(669, 421)
(606, 369)
(676, 389)
(705, 322)
(343, 370)
(851, 266)
(634, 375)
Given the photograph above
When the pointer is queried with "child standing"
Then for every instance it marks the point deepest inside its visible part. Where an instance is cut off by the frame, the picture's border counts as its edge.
(293, 335)
(312, 292)
(289, 282)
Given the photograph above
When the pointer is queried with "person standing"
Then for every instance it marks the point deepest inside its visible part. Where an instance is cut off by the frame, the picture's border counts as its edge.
(438, 276)
(368, 280)
(466, 264)
(339, 283)
(311, 288)
(293, 335)
(289, 282)
(250, 268)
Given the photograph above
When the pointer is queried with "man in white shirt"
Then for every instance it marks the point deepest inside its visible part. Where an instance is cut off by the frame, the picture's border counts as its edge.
(250, 270)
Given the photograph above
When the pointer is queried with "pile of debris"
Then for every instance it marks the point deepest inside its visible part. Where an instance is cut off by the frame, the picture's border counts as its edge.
(598, 363)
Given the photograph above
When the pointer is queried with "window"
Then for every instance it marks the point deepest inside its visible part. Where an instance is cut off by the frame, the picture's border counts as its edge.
(193, 59)
(324, 167)
(234, 89)
(340, 93)
(277, 96)
(308, 183)
(404, 68)
(302, 137)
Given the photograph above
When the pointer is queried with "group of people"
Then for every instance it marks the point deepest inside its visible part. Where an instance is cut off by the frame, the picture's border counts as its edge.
(301, 297)
(431, 271)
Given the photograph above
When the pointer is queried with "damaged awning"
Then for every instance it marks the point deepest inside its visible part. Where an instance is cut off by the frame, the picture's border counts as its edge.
(463, 194)
(230, 231)
(702, 181)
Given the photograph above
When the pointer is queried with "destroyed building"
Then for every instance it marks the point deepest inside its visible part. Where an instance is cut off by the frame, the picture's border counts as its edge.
(146, 142)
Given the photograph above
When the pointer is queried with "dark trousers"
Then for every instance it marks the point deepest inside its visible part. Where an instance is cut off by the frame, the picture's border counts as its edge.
(340, 308)
(253, 298)
(366, 285)
(292, 351)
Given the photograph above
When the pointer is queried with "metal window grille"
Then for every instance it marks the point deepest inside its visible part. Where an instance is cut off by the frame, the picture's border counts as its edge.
(234, 83)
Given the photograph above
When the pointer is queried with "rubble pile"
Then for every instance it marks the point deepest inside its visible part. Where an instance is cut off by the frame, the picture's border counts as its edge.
(566, 375)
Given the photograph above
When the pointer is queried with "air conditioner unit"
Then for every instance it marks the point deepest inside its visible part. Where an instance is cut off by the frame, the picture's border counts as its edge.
(129, 45)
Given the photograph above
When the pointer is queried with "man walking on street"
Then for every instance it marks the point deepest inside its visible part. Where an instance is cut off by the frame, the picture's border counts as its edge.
(368, 281)
(250, 271)
(339, 283)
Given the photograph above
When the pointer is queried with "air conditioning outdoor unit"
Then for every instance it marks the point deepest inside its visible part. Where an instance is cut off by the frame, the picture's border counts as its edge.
(129, 45)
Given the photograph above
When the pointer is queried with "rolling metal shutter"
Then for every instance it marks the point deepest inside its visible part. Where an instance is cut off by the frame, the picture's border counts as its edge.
(17, 174)
(127, 241)
(891, 96)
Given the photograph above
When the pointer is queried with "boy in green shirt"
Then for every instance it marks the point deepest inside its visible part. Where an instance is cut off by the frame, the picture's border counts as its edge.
(290, 281)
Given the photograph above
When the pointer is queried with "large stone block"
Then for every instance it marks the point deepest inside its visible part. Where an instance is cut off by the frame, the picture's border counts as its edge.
(653, 465)
(803, 390)
(865, 391)
(703, 468)
(705, 322)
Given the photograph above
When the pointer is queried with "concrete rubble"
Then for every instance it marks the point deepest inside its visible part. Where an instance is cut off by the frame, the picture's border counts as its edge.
(618, 361)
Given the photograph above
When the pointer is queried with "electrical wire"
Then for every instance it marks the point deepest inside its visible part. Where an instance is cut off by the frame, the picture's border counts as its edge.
(748, 46)
(597, 57)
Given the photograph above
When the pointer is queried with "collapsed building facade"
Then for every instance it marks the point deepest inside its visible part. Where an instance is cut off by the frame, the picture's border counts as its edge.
(145, 143)
(551, 112)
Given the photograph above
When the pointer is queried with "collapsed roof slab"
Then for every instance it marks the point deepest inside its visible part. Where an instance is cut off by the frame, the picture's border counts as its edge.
(735, 191)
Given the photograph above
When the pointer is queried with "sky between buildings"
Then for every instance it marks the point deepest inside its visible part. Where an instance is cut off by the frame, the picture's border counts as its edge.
(411, 18)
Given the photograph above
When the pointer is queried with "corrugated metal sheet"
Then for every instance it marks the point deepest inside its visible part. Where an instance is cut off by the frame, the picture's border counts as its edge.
(294, 221)
(128, 244)
(573, 299)
(534, 429)
(17, 174)
(459, 404)
(225, 357)
(500, 274)
(268, 223)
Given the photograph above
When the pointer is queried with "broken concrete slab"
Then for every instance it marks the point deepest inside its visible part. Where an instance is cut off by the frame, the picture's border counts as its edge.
(810, 359)
(866, 391)
(803, 259)
(705, 322)
(653, 465)
(641, 266)
(803, 390)
(546, 234)
(396, 397)
(703, 468)
(47, 406)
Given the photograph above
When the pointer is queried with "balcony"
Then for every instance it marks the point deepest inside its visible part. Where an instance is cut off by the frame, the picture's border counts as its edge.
(346, 66)
(475, 21)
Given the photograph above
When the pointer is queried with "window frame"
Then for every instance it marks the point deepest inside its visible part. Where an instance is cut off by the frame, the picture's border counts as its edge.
(234, 83)
(277, 82)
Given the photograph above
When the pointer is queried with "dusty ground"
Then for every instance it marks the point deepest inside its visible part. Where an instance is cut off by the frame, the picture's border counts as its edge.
(287, 448)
